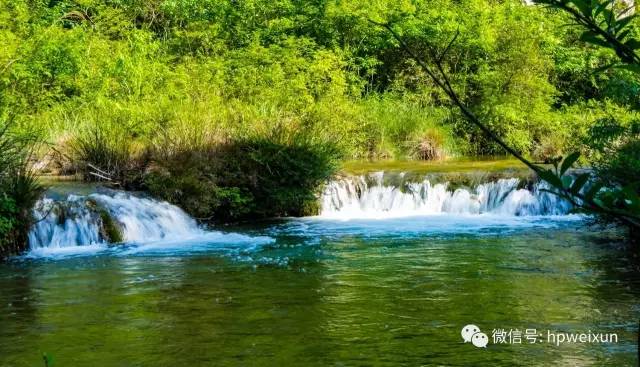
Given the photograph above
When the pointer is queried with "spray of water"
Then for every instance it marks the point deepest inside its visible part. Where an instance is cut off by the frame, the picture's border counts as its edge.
(76, 225)
(369, 197)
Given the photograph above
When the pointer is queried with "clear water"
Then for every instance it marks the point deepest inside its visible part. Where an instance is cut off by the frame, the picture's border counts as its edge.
(340, 289)
(324, 299)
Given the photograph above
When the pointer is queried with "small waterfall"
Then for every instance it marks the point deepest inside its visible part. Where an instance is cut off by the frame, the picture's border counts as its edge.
(82, 220)
(370, 197)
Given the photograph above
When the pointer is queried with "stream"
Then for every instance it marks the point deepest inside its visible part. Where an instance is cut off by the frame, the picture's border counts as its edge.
(387, 274)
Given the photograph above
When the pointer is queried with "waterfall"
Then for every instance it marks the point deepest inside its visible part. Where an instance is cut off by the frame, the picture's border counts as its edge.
(79, 220)
(79, 223)
(370, 197)
(91, 223)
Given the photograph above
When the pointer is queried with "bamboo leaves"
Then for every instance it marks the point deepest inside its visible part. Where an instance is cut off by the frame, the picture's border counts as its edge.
(605, 25)
(568, 162)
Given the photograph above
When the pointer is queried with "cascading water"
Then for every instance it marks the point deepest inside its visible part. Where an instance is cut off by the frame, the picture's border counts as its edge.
(370, 197)
(350, 206)
(80, 223)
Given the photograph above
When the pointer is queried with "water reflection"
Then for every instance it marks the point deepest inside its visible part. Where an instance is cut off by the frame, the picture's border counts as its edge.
(350, 300)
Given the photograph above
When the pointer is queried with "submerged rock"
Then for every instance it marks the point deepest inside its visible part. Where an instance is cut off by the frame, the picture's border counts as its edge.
(76, 220)
(110, 229)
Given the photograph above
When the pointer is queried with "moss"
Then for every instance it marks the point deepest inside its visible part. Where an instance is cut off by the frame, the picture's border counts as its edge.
(424, 167)
(61, 214)
(110, 229)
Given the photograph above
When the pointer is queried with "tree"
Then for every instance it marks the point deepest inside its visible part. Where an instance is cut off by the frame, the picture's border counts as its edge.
(605, 26)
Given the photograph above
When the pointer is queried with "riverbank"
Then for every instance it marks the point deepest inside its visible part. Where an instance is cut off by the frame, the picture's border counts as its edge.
(464, 165)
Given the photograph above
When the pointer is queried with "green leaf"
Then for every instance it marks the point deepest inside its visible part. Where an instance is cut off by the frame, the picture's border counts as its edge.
(633, 44)
(566, 181)
(624, 22)
(630, 197)
(584, 7)
(601, 6)
(599, 203)
(579, 182)
(568, 162)
(624, 34)
(550, 178)
(590, 37)
(593, 190)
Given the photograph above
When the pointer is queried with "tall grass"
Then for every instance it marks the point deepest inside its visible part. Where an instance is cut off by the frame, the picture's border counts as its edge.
(403, 129)
(101, 156)
(19, 188)
(223, 162)
(369, 128)
(231, 156)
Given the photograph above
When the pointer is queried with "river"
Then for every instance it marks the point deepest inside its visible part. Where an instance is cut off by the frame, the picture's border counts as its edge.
(388, 274)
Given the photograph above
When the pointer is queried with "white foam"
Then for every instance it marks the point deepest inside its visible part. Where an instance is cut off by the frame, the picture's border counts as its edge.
(72, 227)
(353, 198)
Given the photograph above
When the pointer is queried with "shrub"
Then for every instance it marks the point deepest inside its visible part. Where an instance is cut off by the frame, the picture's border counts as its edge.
(282, 175)
(255, 177)
(109, 154)
(622, 165)
(19, 189)
(190, 181)
(8, 223)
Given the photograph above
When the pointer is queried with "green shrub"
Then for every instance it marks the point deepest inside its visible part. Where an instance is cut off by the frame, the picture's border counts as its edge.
(621, 166)
(8, 223)
(108, 153)
(189, 181)
(283, 176)
(256, 177)
(19, 188)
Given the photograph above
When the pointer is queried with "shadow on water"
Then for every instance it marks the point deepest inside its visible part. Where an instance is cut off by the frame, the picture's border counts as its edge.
(18, 305)
(260, 316)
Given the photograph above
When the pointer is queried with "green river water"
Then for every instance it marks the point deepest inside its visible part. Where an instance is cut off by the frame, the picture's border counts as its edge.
(331, 292)
(350, 301)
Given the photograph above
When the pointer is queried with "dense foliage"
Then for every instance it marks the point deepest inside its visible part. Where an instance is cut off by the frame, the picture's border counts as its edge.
(612, 194)
(615, 192)
(140, 69)
(238, 108)
(19, 189)
(256, 177)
